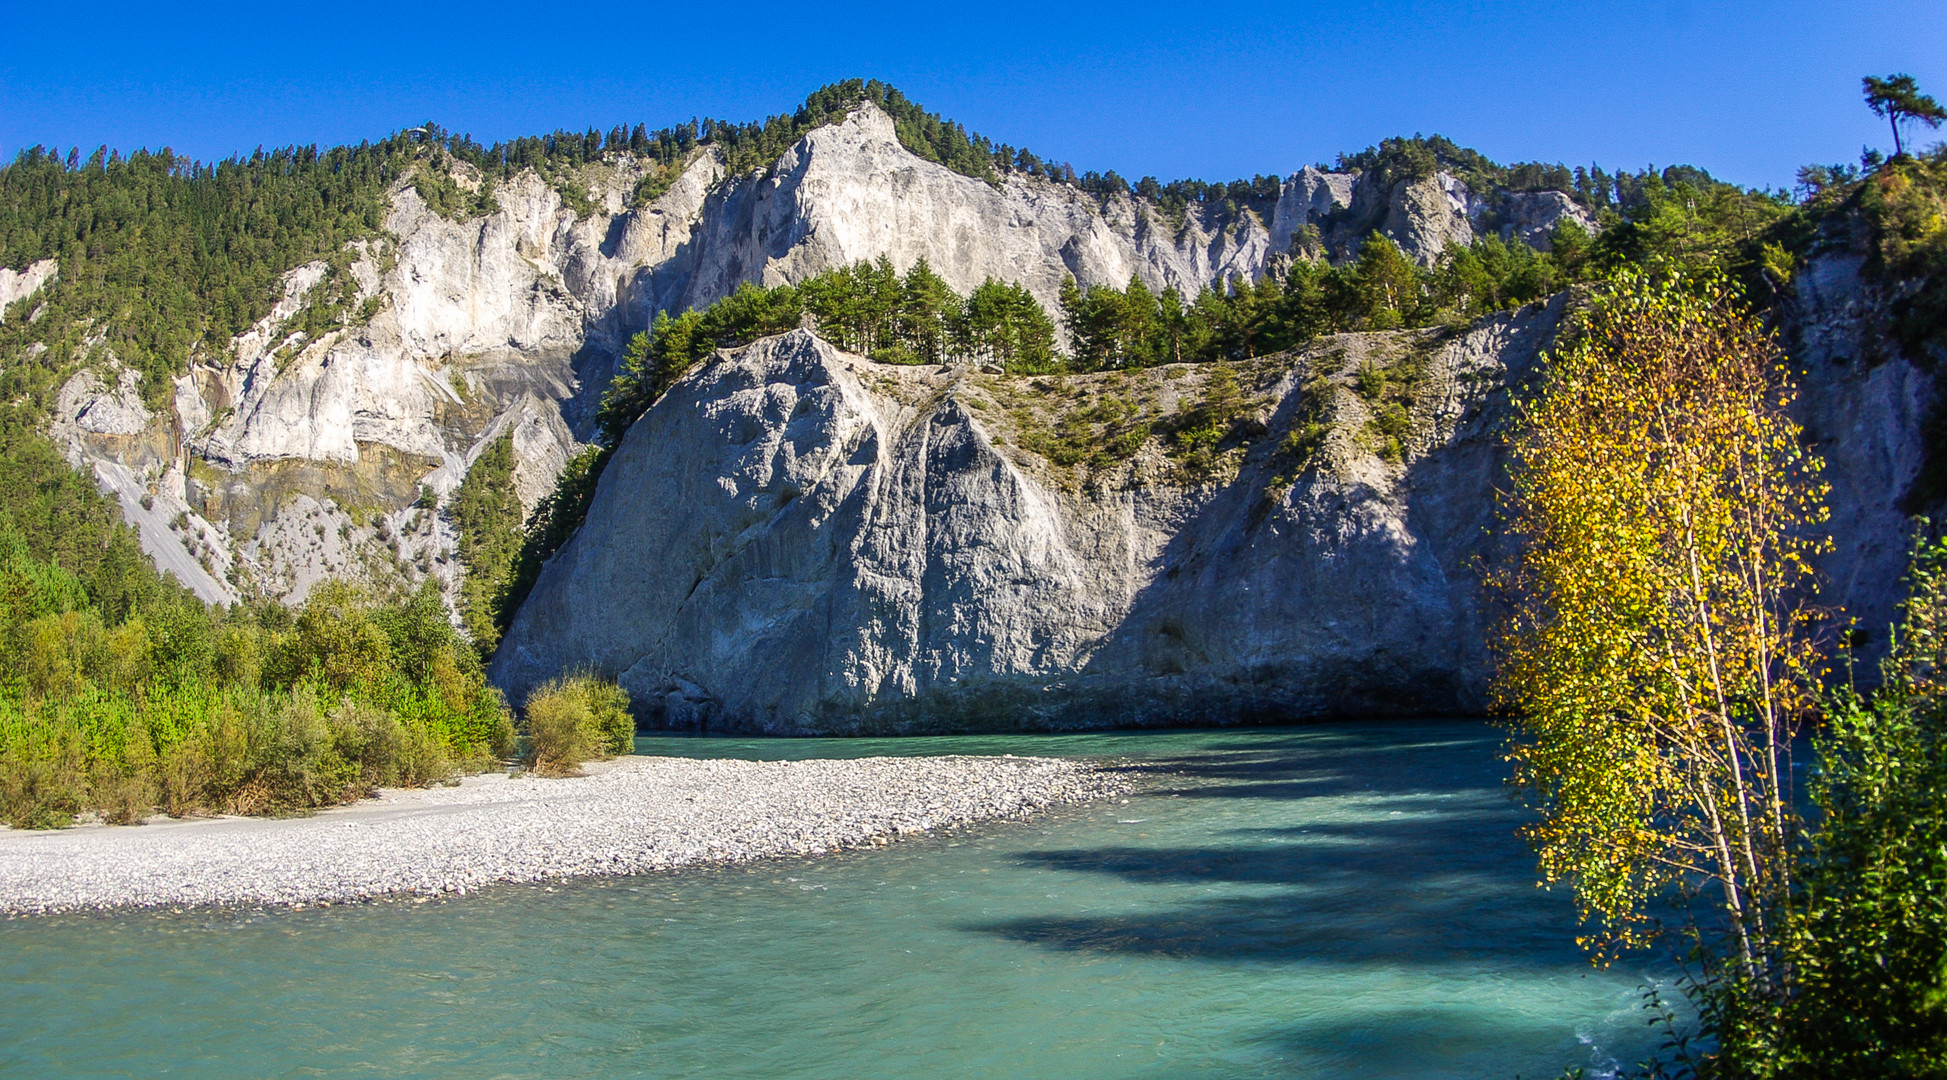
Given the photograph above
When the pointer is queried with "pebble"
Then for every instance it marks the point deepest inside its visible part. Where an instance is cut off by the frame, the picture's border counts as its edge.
(629, 816)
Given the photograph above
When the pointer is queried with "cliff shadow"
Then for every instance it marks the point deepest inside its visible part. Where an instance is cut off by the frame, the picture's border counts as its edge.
(1339, 585)
(1393, 847)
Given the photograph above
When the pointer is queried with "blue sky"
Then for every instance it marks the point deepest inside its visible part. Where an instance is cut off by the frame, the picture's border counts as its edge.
(1749, 91)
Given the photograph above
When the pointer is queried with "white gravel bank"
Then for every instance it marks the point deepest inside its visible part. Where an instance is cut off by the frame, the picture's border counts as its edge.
(629, 815)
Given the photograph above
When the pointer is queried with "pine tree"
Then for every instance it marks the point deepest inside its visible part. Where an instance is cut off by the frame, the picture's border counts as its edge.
(1898, 98)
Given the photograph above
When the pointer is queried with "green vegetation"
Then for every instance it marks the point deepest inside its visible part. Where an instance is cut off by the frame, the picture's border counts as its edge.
(1656, 656)
(1404, 160)
(435, 186)
(162, 258)
(253, 710)
(1389, 391)
(573, 719)
(1868, 944)
(556, 518)
(1898, 99)
(869, 309)
(1903, 208)
(1096, 423)
(1096, 433)
(119, 692)
(1661, 659)
(487, 513)
(1201, 428)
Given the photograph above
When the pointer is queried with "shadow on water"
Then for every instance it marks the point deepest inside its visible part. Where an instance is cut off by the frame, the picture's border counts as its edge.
(1345, 903)
(1343, 850)
(1428, 1040)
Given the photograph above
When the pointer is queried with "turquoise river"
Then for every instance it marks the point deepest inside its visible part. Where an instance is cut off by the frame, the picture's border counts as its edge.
(1334, 901)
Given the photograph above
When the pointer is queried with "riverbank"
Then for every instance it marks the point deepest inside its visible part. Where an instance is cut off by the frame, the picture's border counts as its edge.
(631, 815)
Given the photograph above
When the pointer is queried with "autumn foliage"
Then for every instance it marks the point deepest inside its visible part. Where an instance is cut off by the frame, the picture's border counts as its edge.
(1658, 654)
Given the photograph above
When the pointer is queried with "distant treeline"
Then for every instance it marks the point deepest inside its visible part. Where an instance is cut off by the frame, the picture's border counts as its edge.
(1420, 157)
(163, 257)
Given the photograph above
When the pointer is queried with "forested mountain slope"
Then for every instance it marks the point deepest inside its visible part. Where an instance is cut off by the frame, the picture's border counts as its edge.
(448, 297)
(277, 366)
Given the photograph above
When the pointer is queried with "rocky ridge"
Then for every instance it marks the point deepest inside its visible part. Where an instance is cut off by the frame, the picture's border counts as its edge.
(796, 540)
(288, 460)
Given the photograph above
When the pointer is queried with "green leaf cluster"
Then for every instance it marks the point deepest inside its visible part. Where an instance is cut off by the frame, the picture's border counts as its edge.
(489, 517)
(246, 710)
(1867, 950)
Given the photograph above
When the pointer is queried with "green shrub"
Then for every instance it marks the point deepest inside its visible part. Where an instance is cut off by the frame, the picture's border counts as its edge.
(1371, 381)
(384, 751)
(574, 719)
(610, 705)
(37, 794)
(1868, 943)
(192, 710)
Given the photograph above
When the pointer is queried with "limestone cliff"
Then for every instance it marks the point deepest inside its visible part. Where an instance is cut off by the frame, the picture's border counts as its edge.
(797, 540)
(516, 319)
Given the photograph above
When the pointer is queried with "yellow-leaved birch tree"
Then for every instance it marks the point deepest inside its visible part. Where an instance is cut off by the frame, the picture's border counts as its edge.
(1658, 651)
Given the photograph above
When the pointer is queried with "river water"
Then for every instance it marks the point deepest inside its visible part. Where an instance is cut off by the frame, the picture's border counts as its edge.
(1339, 901)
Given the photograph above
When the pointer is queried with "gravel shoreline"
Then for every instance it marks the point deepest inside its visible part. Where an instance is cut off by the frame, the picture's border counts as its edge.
(628, 816)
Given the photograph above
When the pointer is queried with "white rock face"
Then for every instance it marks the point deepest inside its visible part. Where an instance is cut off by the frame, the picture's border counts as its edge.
(796, 540)
(514, 322)
(1306, 200)
(850, 192)
(108, 431)
(92, 407)
(784, 545)
(1427, 215)
(1531, 217)
(1864, 412)
(25, 282)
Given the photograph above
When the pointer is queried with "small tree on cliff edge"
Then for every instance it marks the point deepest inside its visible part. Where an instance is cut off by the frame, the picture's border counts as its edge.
(1656, 655)
(1898, 98)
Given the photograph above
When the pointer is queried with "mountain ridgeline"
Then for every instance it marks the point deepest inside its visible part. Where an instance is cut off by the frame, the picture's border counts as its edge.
(851, 419)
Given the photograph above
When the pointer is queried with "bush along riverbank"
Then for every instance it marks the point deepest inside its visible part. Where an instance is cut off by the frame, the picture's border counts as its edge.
(188, 709)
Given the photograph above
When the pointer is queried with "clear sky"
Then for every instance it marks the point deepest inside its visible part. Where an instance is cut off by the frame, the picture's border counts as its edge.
(1749, 91)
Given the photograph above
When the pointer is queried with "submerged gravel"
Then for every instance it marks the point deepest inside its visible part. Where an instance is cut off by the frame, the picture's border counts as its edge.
(631, 815)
